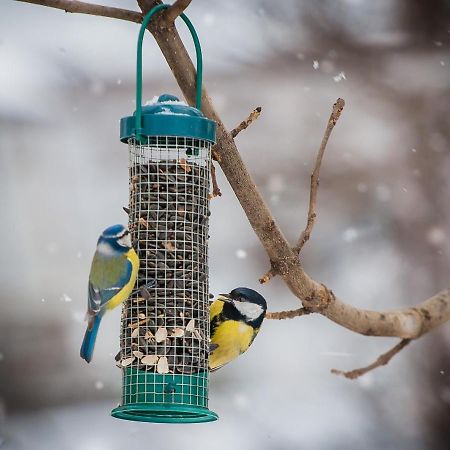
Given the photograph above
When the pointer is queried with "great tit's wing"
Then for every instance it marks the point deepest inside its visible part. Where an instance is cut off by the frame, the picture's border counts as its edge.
(108, 276)
(215, 310)
(213, 346)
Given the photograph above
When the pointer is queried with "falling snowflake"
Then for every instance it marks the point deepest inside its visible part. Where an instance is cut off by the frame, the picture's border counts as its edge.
(316, 65)
(436, 236)
(241, 254)
(350, 234)
(339, 77)
(65, 298)
(99, 385)
(209, 19)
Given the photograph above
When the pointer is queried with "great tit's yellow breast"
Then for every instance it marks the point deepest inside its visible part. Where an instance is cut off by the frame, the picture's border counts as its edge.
(232, 338)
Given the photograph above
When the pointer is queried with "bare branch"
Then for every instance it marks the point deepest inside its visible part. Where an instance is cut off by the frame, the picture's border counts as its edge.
(381, 361)
(306, 233)
(281, 315)
(216, 190)
(247, 122)
(176, 9)
(267, 276)
(73, 6)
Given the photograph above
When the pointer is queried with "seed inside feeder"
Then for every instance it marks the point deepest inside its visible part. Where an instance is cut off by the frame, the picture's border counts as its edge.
(166, 325)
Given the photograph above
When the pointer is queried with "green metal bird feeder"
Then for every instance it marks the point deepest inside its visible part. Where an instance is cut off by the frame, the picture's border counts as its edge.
(165, 323)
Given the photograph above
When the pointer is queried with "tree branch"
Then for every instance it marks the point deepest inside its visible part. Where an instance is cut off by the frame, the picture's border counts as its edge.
(381, 361)
(267, 276)
(73, 6)
(216, 190)
(176, 9)
(281, 315)
(334, 117)
(407, 323)
(247, 122)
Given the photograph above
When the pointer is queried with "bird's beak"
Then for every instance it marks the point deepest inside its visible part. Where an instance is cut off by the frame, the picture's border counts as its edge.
(225, 298)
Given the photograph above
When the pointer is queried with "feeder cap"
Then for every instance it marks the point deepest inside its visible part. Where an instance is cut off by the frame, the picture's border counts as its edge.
(166, 115)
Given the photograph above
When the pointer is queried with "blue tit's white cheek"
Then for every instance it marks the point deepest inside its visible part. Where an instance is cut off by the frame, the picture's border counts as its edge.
(250, 310)
(125, 241)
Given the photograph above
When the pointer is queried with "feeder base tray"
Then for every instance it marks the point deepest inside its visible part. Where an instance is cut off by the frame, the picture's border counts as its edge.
(162, 413)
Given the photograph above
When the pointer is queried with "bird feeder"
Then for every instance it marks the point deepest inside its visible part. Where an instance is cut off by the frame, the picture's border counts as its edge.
(165, 322)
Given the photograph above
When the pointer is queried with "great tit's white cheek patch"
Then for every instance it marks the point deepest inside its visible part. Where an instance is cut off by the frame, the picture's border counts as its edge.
(250, 310)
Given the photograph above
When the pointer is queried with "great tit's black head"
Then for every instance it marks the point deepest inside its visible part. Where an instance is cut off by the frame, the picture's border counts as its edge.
(248, 303)
(243, 294)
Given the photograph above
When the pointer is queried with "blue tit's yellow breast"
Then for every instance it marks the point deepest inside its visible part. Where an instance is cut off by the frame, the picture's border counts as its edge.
(123, 294)
(231, 338)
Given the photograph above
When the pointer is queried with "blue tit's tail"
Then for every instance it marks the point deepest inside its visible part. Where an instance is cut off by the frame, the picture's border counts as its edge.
(87, 347)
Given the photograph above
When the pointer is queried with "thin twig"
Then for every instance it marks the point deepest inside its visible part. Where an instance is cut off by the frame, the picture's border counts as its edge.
(306, 233)
(247, 122)
(267, 276)
(381, 361)
(216, 190)
(215, 155)
(281, 315)
(176, 9)
(73, 6)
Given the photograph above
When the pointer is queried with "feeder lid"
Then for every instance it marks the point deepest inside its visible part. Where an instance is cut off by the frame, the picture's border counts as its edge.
(166, 115)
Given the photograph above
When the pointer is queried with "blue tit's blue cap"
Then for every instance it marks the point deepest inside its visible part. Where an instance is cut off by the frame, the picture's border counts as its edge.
(168, 116)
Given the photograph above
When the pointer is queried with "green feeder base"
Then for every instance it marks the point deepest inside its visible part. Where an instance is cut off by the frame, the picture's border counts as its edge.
(164, 398)
(161, 413)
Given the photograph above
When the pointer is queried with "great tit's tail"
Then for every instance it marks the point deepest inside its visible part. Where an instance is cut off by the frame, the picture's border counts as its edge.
(87, 347)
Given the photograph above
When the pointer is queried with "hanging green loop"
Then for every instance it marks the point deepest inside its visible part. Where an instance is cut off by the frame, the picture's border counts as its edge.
(198, 52)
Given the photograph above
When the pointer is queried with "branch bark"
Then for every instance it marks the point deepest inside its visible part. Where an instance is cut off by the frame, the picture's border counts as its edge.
(247, 122)
(407, 323)
(176, 9)
(281, 315)
(334, 117)
(381, 361)
(73, 6)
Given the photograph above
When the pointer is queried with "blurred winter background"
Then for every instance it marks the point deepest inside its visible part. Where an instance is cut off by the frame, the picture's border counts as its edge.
(381, 239)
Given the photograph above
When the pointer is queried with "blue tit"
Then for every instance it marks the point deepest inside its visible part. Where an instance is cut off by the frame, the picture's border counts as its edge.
(113, 275)
(235, 319)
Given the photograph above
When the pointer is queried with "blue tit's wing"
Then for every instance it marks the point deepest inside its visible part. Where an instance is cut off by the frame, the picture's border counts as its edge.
(108, 276)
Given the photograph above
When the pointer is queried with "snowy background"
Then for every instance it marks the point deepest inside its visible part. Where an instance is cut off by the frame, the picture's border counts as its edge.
(381, 240)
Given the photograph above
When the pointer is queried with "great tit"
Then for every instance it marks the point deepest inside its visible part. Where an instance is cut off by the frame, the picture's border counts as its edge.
(112, 278)
(235, 319)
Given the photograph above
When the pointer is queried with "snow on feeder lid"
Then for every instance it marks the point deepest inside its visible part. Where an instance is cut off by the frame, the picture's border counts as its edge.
(164, 345)
(167, 116)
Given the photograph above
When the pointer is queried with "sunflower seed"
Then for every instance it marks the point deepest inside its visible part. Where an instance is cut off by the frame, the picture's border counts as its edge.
(161, 334)
(163, 365)
(127, 361)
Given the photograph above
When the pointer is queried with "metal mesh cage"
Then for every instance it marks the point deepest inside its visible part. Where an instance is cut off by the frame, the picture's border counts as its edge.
(165, 323)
